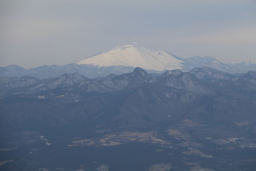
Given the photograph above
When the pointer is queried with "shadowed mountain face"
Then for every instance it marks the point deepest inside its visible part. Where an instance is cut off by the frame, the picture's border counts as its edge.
(203, 119)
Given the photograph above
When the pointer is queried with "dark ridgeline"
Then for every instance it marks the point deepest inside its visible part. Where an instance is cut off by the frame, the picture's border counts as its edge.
(94, 71)
(204, 118)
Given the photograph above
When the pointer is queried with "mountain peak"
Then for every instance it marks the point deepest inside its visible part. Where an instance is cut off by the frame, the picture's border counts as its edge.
(140, 71)
(133, 56)
(127, 46)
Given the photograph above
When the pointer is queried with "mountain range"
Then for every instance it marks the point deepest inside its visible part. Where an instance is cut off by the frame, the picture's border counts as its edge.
(123, 59)
(106, 113)
(202, 119)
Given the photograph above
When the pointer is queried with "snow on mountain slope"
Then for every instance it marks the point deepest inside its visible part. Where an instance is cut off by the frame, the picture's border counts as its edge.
(129, 55)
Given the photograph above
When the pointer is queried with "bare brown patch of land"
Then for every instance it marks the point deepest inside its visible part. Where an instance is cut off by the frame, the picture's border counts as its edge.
(161, 167)
(120, 138)
(193, 151)
(5, 162)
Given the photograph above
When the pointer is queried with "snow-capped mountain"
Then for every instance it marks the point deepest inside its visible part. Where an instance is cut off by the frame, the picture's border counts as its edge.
(133, 56)
(123, 59)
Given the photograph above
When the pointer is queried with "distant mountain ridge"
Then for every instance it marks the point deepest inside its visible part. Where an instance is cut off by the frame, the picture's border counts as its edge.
(123, 59)
(50, 71)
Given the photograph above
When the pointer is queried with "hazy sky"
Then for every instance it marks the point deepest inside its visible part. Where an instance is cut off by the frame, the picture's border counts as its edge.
(38, 32)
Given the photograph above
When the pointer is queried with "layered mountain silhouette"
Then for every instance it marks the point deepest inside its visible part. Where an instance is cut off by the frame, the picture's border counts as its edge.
(123, 59)
(175, 118)
(134, 96)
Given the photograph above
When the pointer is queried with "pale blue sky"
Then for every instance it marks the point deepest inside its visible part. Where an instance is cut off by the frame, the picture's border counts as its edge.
(38, 32)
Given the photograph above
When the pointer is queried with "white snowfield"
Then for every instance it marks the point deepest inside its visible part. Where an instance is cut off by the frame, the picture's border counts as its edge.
(131, 56)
